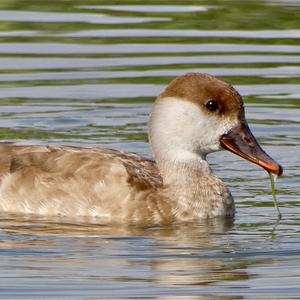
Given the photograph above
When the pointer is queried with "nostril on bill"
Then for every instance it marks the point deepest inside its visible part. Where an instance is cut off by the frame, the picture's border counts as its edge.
(248, 140)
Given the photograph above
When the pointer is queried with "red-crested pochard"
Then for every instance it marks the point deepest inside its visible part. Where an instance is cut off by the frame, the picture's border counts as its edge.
(195, 115)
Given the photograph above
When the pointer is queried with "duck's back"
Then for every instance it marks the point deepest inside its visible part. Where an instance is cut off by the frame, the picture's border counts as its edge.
(72, 181)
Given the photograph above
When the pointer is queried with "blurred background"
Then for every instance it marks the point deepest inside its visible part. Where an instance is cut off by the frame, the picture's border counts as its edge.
(85, 73)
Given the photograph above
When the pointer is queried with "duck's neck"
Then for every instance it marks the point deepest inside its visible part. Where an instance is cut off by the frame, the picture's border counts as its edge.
(196, 191)
(180, 138)
(182, 167)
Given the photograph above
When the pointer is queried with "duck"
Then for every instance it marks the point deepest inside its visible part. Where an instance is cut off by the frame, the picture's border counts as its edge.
(195, 115)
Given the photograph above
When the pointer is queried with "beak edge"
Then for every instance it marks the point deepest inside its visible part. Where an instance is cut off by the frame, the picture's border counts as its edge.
(250, 150)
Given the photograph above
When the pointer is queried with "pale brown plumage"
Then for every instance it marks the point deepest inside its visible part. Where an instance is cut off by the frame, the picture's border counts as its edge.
(72, 182)
(115, 187)
(107, 184)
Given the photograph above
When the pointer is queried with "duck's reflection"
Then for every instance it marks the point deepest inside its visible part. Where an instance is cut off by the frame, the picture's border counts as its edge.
(182, 256)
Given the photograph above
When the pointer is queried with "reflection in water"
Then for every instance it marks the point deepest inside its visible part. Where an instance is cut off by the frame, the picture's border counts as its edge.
(93, 63)
(149, 8)
(87, 227)
(31, 16)
(180, 255)
(277, 72)
(180, 260)
(250, 34)
(61, 48)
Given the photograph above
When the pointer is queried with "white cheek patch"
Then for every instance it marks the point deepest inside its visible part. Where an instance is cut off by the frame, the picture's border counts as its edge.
(210, 129)
(181, 126)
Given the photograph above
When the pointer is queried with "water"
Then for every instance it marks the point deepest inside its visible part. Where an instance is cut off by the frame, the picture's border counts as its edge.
(85, 73)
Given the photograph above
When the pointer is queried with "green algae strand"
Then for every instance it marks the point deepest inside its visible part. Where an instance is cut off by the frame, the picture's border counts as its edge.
(274, 195)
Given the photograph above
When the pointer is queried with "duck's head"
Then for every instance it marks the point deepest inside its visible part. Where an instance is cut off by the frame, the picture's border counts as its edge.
(198, 114)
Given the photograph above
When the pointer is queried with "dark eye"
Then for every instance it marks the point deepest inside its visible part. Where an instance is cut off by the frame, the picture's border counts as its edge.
(212, 105)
